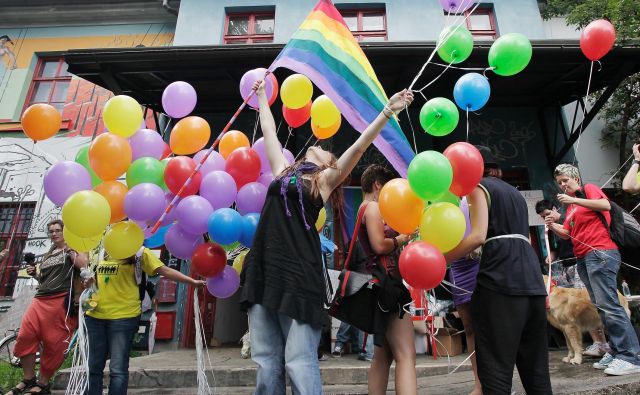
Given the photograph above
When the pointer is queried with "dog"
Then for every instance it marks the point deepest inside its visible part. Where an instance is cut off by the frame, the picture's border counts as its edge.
(572, 312)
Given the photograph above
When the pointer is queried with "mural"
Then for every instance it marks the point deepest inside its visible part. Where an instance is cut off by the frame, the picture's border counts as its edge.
(8, 58)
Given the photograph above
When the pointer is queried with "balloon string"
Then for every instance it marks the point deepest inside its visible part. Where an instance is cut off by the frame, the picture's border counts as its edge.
(484, 72)
(584, 113)
(459, 68)
(439, 75)
(634, 209)
(617, 171)
(290, 133)
(303, 147)
(467, 124)
(413, 132)
(255, 127)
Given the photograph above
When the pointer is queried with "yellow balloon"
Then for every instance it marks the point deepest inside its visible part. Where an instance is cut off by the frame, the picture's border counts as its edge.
(122, 115)
(123, 240)
(322, 218)
(296, 91)
(443, 225)
(323, 112)
(80, 244)
(86, 214)
(238, 262)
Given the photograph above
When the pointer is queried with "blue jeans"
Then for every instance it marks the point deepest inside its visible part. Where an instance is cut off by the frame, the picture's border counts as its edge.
(598, 271)
(349, 334)
(110, 337)
(279, 342)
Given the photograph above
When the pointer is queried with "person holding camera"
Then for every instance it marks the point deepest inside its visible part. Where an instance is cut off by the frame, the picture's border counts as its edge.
(631, 183)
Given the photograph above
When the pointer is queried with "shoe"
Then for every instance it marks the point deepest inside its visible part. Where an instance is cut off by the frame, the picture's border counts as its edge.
(619, 367)
(245, 351)
(363, 357)
(604, 362)
(595, 350)
(337, 352)
(323, 357)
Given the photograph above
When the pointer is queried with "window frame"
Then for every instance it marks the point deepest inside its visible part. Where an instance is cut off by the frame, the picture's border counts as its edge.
(361, 35)
(20, 222)
(37, 78)
(493, 33)
(251, 37)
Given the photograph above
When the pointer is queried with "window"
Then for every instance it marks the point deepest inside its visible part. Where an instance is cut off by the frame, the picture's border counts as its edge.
(367, 25)
(50, 83)
(249, 28)
(15, 222)
(481, 23)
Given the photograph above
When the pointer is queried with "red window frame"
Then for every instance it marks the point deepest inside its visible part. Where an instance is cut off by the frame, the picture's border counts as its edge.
(360, 34)
(37, 78)
(15, 222)
(251, 37)
(493, 33)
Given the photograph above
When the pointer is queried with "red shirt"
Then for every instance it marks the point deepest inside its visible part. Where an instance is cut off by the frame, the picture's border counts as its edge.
(586, 226)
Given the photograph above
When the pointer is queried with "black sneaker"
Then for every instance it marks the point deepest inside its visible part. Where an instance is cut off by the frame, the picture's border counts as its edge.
(337, 352)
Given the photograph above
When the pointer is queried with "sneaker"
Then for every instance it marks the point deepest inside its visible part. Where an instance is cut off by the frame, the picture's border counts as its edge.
(245, 351)
(604, 362)
(619, 367)
(337, 352)
(595, 350)
(363, 357)
(322, 357)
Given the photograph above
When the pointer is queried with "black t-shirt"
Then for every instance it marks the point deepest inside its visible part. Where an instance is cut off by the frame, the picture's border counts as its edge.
(56, 272)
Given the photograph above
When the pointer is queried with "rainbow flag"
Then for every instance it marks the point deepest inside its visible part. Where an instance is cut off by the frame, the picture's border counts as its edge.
(324, 50)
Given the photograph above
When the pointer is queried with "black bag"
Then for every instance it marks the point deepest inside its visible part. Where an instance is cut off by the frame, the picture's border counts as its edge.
(624, 230)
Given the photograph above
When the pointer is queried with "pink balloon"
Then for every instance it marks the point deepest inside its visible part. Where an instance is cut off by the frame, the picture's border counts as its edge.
(464, 206)
(259, 147)
(266, 179)
(251, 198)
(219, 188)
(247, 81)
(214, 162)
(193, 214)
(179, 99)
(146, 142)
(180, 243)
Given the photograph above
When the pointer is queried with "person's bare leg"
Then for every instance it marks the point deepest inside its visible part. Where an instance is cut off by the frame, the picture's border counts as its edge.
(597, 335)
(28, 363)
(400, 337)
(465, 316)
(379, 370)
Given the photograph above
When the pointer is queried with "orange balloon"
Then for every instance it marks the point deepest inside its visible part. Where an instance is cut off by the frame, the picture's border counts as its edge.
(189, 135)
(109, 156)
(114, 192)
(325, 133)
(231, 141)
(41, 121)
(400, 207)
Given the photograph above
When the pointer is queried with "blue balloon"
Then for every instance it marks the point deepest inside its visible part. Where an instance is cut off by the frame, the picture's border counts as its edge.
(157, 239)
(225, 226)
(249, 226)
(472, 91)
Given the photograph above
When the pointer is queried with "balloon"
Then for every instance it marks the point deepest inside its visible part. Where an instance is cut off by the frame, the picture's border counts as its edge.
(249, 226)
(400, 207)
(179, 99)
(265, 166)
(65, 178)
(214, 162)
(166, 152)
(274, 84)
(323, 112)
(123, 240)
(144, 202)
(422, 266)
(288, 156)
(178, 171)
(225, 284)
(246, 85)
(181, 244)
(189, 135)
(456, 6)
(238, 261)
(322, 218)
(41, 121)
(296, 117)
(231, 247)
(467, 166)
(82, 157)
(110, 156)
(144, 170)
(78, 243)
(225, 226)
(471, 91)
(464, 207)
(157, 239)
(266, 179)
(114, 192)
(325, 133)
(296, 91)
(209, 259)
(251, 198)
(439, 116)
(219, 188)
(597, 39)
(443, 226)
(146, 142)
(447, 197)
(121, 115)
(231, 141)
(243, 165)
(457, 44)
(510, 54)
(430, 174)
(86, 213)
(193, 214)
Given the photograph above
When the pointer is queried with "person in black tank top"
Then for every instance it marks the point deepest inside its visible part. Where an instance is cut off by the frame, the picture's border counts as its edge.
(508, 304)
(282, 279)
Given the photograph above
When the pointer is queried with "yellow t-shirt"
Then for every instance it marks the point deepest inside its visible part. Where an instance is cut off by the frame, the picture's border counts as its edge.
(119, 295)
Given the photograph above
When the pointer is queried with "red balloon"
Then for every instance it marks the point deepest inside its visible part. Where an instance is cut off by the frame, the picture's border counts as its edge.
(468, 166)
(274, 83)
(176, 173)
(597, 39)
(209, 259)
(422, 265)
(297, 117)
(243, 164)
(166, 152)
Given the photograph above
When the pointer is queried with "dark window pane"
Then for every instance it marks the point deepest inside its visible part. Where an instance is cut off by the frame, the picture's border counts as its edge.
(351, 21)
(264, 24)
(49, 68)
(238, 26)
(60, 91)
(480, 22)
(372, 22)
(41, 92)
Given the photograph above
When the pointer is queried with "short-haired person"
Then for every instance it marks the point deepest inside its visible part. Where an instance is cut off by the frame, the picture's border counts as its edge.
(598, 265)
(631, 183)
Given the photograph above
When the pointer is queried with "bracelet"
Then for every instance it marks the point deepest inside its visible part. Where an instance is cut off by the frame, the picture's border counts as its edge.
(384, 111)
(635, 162)
(395, 243)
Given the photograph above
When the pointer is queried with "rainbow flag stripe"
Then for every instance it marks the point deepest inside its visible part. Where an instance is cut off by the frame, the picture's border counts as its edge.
(324, 50)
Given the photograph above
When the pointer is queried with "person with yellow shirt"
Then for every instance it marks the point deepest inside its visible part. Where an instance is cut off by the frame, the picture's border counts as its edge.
(112, 323)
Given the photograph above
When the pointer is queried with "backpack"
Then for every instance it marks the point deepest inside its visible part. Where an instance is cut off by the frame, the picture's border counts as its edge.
(146, 289)
(624, 228)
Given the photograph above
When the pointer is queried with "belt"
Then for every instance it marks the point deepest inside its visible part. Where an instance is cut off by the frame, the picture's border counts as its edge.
(509, 236)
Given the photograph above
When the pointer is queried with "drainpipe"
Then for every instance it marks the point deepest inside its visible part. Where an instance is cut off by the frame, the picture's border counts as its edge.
(167, 6)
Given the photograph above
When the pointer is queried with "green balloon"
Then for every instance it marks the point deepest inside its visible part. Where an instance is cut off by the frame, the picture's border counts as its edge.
(430, 174)
(439, 116)
(82, 157)
(447, 197)
(457, 47)
(231, 247)
(143, 170)
(163, 185)
(510, 54)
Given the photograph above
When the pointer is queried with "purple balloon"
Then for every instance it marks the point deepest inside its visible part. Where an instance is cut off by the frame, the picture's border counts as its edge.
(464, 206)
(266, 179)
(193, 214)
(456, 6)
(214, 162)
(146, 143)
(146, 227)
(288, 156)
(180, 243)
(179, 99)
(259, 147)
(246, 85)
(144, 202)
(251, 197)
(64, 179)
(219, 188)
(224, 284)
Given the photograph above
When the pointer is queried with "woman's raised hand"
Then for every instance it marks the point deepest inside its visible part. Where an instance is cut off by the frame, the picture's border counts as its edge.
(400, 100)
(258, 86)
